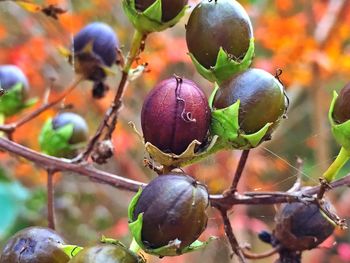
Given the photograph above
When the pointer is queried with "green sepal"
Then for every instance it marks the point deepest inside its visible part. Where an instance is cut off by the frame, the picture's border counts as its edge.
(341, 132)
(56, 142)
(13, 101)
(225, 124)
(149, 20)
(225, 66)
(71, 250)
(172, 249)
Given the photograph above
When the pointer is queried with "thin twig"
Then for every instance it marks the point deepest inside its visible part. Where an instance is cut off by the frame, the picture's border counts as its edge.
(239, 171)
(297, 184)
(231, 237)
(266, 254)
(50, 200)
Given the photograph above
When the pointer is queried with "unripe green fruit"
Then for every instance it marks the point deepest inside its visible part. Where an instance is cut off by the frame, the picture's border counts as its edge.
(170, 8)
(215, 24)
(173, 208)
(341, 110)
(261, 95)
(34, 245)
(105, 253)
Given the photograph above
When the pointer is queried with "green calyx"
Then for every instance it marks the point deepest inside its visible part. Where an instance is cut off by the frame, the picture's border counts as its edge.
(172, 249)
(13, 101)
(56, 142)
(225, 66)
(149, 20)
(225, 124)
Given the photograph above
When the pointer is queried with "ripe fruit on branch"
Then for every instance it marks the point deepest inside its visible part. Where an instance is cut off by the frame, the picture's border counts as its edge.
(149, 16)
(219, 37)
(105, 253)
(63, 135)
(251, 103)
(301, 226)
(16, 87)
(34, 244)
(170, 8)
(174, 114)
(168, 215)
(341, 110)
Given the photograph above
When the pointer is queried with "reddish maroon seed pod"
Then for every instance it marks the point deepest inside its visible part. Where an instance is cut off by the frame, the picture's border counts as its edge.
(175, 113)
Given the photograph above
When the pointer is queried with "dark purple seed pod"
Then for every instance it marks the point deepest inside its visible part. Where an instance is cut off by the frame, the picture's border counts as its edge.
(173, 207)
(261, 95)
(80, 128)
(341, 110)
(175, 113)
(170, 8)
(215, 24)
(301, 226)
(34, 245)
(104, 50)
(10, 75)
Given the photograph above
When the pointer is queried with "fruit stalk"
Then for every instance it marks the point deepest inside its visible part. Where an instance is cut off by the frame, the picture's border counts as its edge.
(338, 163)
(50, 200)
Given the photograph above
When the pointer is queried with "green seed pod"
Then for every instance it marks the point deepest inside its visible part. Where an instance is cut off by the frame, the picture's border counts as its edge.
(302, 226)
(105, 253)
(219, 37)
(168, 215)
(34, 245)
(149, 16)
(247, 108)
(63, 135)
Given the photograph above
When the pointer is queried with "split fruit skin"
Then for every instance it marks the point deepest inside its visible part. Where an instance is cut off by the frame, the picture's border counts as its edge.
(104, 49)
(175, 113)
(80, 128)
(170, 8)
(173, 207)
(10, 75)
(261, 95)
(105, 253)
(215, 24)
(341, 111)
(34, 245)
(302, 220)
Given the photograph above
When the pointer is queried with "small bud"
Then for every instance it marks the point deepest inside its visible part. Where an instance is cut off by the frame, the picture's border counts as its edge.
(103, 151)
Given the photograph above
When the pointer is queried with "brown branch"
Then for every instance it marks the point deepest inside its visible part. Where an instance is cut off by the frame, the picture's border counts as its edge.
(266, 254)
(239, 171)
(11, 127)
(231, 237)
(50, 200)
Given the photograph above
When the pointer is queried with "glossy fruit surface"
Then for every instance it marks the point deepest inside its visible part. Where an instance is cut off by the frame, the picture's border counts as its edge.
(261, 96)
(302, 226)
(105, 253)
(341, 110)
(34, 245)
(10, 75)
(175, 113)
(80, 129)
(215, 24)
(173, 207)
(170, 8)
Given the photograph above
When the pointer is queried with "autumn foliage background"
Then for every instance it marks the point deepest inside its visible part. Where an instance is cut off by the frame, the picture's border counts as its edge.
(289, 36)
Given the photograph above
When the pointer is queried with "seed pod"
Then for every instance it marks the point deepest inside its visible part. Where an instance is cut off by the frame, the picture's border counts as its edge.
(301, 226)
(170, 8)
(149, 16)
(34, 245)
(175, 113)
(173, 208)
(16, 87)
(63, 135)
(105, 253)
(215, 29)
(262, 99)
(341, 111)
(95, 47)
